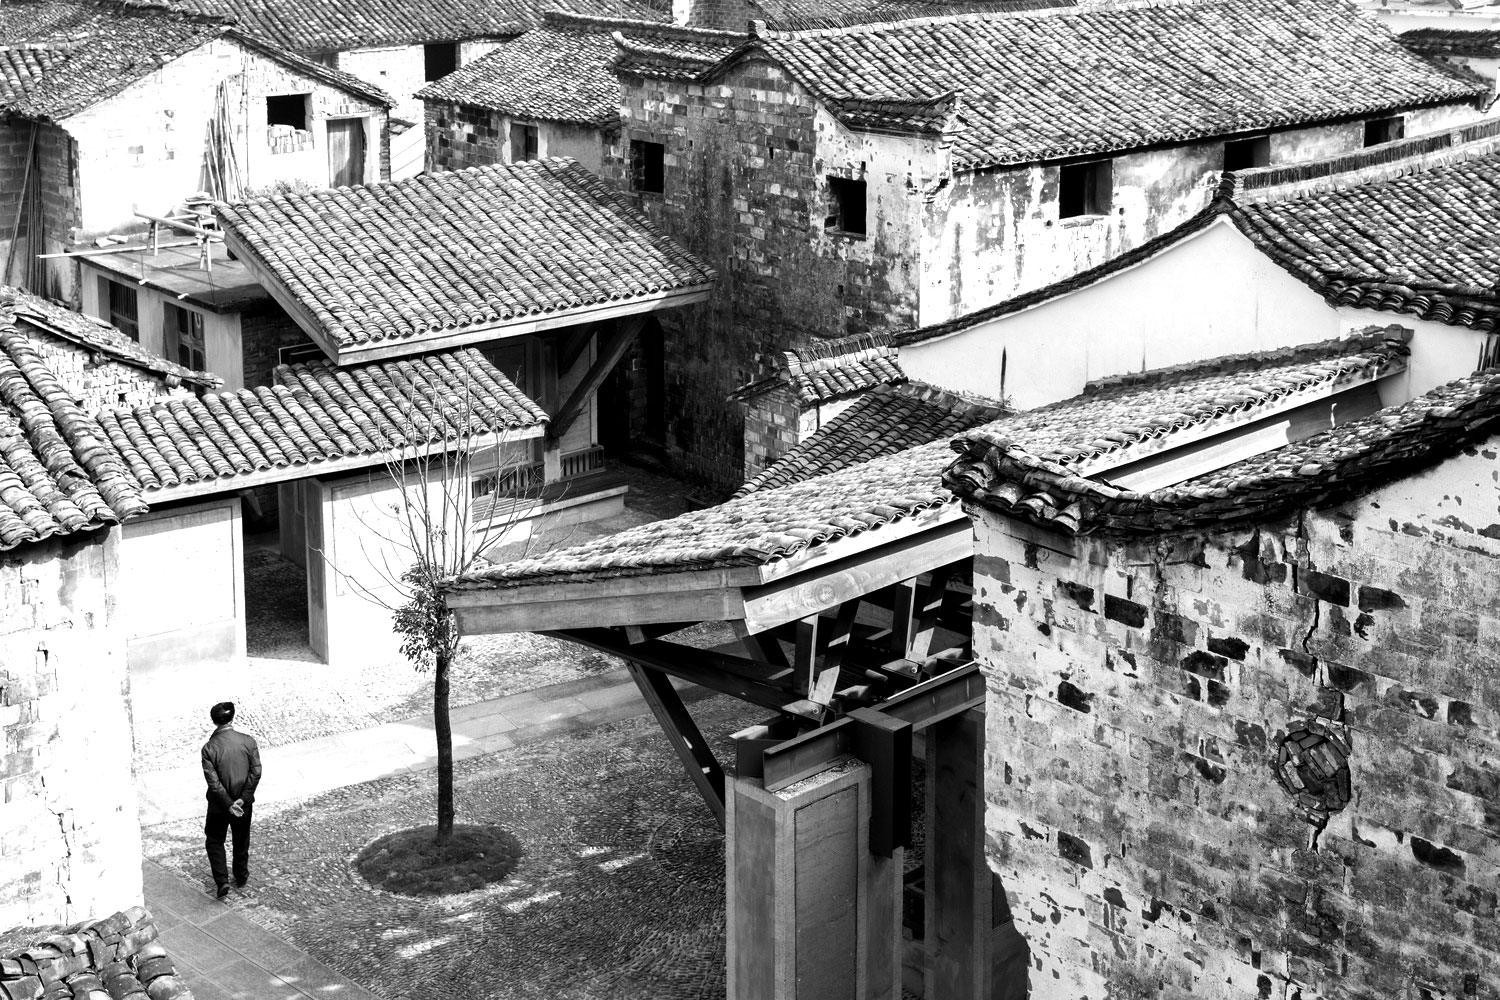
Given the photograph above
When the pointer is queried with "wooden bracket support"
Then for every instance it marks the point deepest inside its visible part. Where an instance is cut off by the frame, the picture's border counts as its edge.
(682, 732)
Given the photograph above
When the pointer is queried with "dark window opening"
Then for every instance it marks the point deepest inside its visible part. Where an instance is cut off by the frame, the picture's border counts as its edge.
(183, 337)
(439, 59)
(288, 109)
(847, 201)
(300, 354)
(1084, 189)
(522, 142)
(122, 308)
(1242, 154)
(1378, 130)
(647, 166)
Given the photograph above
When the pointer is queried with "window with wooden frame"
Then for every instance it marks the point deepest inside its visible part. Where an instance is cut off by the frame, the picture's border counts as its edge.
(1378, 130)
(182, 337)
(846, 203)
(121, 307)
(647, 166)
(1085, 189)
(523, 142)
(1243, 154)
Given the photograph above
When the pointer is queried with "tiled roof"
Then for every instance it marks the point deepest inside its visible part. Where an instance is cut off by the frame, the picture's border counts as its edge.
(443, 253)
(1327, 468)
(1402, 227)
(887, 420)
(1419, 238)
(804, 14)
(316, 413)
(832, 369)
(877, 463)
(1111, 416)
(58, 474)
(117, 958)
(563, 71)
(1050, 84)
(340, 25)
(1453, 41)
(96, 48)
(100, 337)
(1035, 464)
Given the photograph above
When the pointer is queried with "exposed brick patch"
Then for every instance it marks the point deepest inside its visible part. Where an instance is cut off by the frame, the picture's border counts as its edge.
(1436, 856)
(1077, 593)
(1379, 599)
(1205, 664)
(1171, 627)
(1325, 587)
(1228, 646)
(1072, 849)
(1306, 665)
(1073, 698)
(1125, 611)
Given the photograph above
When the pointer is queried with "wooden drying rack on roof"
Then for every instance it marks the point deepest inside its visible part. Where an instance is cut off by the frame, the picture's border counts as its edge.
(203, 239)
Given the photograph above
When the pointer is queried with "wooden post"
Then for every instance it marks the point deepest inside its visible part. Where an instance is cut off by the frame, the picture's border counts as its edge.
(806, 664)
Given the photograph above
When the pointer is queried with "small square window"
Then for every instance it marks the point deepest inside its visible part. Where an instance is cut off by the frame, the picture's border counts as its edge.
(288, 109)
(1378, 130)
(438, 60)
(1085, 189)
(523, 145)
(847, 203)
(1242, 154)
(647, 160)
(121, 305)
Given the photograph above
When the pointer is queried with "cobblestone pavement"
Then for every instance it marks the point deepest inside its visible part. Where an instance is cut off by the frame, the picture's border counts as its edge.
(284, 694)
(620, 894)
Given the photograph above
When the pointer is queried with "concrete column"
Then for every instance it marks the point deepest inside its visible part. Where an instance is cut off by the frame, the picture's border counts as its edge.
(812, 914)
(973, 949)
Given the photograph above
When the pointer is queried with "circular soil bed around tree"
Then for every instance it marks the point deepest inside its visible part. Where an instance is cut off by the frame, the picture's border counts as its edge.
(413, 863)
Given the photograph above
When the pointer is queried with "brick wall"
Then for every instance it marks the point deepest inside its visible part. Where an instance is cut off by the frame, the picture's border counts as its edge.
(50, 194)
(264, 331)
(460, 136)
(746, 192)
(1138, 696)
(70, 843)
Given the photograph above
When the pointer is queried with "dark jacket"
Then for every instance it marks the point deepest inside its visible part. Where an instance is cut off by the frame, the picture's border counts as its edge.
(231, 766)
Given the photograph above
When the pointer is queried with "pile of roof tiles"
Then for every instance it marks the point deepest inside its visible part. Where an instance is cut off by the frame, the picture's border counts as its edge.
(116, 958)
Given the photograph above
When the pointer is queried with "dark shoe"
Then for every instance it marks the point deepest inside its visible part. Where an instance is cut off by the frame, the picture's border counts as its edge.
(223, 890)
(241, 881)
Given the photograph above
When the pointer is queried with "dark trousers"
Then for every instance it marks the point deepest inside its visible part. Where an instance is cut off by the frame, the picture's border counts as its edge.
(220, 821)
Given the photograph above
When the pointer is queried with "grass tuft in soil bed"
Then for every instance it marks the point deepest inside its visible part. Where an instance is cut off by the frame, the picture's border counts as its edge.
(413, 863)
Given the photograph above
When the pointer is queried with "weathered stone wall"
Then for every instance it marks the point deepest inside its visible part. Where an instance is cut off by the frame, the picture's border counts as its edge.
(1138, 695)
(70, 843)
(746, 189)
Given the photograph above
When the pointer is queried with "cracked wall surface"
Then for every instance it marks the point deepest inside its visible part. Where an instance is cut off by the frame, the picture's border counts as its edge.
(70, 842)
(1138, 697)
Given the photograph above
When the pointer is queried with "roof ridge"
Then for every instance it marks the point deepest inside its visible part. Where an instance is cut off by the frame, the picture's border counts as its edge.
(767, 29)
(1392, 339)
(1385, 161)
(604, 23)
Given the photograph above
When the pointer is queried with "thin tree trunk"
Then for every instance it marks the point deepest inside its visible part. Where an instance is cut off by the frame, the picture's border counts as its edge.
(443, 727)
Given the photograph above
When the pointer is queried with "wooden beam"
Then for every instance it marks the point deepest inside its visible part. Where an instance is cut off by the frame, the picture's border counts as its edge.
(610, 353)
(836, 643)
(832, 584)
(806, 657)
(573, 344)
(682, 732)
(715, 604)
(708, 668)
(646, 585)
(924, 615)
(636, 634)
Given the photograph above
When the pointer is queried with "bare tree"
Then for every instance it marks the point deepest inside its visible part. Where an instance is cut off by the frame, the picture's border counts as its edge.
(432, 529)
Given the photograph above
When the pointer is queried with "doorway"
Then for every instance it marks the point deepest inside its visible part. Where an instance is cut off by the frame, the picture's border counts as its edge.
(346, 151)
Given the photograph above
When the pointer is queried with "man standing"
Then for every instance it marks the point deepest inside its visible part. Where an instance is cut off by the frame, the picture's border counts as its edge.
(231, 766)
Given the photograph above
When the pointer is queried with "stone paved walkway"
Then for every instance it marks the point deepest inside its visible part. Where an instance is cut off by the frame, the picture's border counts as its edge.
(618, 896)
(298, 770)
(220, 955)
